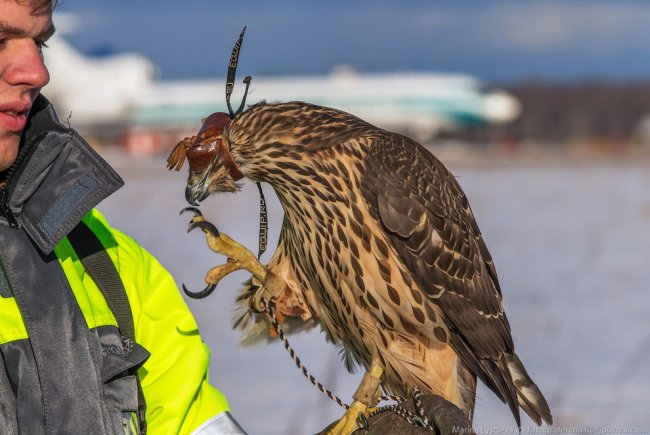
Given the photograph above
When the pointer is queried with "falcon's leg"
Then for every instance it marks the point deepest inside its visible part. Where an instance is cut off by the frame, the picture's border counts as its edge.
(239, 257)
(365, 398)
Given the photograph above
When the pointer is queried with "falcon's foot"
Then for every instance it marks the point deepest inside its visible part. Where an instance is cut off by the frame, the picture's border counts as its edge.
(351, 420)
(239, 257)
(366, 396)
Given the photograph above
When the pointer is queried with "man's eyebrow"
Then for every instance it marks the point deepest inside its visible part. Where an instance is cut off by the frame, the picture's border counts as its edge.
(9, 30)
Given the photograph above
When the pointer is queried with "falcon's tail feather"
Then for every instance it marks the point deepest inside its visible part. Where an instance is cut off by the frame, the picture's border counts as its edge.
(508, 379)
(531, 399)
(494, 374)
(501, 373)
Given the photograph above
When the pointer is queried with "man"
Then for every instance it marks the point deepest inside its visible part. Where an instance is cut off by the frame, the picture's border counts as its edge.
(92, 328)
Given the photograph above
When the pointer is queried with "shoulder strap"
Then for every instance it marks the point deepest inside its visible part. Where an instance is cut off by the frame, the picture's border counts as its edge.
(101, 269)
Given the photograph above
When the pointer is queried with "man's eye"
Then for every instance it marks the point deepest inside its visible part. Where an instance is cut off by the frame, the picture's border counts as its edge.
(41, 45)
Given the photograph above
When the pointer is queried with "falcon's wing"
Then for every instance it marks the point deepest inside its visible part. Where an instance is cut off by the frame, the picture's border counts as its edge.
(427, 217)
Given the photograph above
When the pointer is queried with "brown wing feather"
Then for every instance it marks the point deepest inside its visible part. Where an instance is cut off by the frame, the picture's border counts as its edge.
(432, 229)
(413, 195)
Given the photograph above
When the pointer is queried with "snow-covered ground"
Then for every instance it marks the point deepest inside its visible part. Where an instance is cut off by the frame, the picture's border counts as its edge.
(571, 244)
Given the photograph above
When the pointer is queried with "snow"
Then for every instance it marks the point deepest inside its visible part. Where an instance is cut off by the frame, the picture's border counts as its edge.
(571, 243)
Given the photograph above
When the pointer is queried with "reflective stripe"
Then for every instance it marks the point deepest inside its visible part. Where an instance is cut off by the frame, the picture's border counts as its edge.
(221, 424)
(12, 326)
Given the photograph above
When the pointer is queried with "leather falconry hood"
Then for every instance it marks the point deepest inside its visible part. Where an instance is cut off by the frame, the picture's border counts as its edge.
(208, 145)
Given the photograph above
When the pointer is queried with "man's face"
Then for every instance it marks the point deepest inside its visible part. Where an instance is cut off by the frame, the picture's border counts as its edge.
(22, 72)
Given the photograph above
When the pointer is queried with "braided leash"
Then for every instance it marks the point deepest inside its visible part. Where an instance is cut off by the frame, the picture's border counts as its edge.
(296, 360)
(419, 409)
(418, 419)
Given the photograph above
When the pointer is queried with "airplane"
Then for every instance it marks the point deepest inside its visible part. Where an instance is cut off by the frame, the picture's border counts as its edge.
(118, 97)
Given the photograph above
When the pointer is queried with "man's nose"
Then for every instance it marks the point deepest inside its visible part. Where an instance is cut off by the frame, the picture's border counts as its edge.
(27, 67)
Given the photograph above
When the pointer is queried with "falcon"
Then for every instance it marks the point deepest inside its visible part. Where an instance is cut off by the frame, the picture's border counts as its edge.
(378, 246)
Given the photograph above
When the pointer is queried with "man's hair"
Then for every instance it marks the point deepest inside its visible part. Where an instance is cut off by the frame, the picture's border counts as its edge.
(40, 6)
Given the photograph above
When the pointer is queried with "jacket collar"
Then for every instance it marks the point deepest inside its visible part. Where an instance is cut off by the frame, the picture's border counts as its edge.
(58, 180)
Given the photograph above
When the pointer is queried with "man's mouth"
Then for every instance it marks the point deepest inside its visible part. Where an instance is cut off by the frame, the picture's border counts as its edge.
(13, 120)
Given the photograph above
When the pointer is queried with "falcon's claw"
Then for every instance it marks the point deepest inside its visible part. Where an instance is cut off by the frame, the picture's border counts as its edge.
(352, 420)
(206, 226)
(202, 294)
(239, 257)
(366, 395)
(362, 421)
(196, 211)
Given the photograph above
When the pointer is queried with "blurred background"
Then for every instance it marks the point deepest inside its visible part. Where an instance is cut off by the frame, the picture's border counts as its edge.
(541, 109)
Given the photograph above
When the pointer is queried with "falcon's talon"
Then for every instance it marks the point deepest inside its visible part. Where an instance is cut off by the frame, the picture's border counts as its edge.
(200, 294)
(239, 257)
(196, 211)
(358, 411)
(206, 226)
(351, 420)
(362, 421)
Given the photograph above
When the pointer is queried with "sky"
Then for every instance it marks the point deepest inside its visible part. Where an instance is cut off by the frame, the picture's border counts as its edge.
(497, 41)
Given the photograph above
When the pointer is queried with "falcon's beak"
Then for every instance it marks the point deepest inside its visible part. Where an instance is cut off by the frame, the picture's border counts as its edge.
(201, 154)
(194, 194)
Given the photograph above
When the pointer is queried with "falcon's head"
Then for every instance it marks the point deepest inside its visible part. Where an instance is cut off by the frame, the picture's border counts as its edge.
(212, 168)
(276, 142)
(284, 144)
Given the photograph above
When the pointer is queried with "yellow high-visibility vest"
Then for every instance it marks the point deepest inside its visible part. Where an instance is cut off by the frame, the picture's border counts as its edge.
(175, 377)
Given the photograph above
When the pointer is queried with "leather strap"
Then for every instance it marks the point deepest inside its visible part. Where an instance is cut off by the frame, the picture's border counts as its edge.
(228, 161)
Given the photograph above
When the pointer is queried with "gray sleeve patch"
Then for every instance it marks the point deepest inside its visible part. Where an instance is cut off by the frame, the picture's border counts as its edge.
(69, 200)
